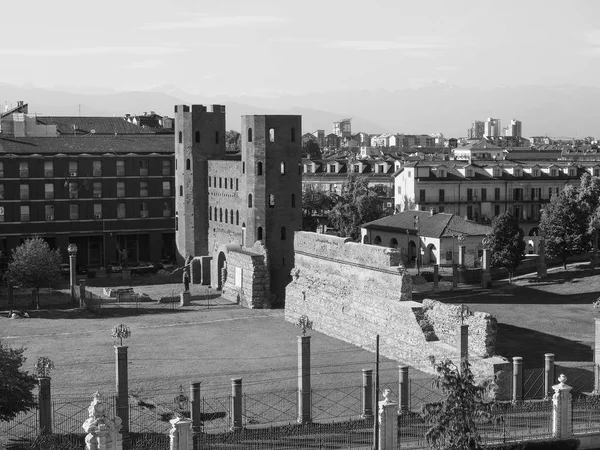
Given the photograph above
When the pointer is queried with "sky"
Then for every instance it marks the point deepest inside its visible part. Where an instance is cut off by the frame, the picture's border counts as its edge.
(272, 47)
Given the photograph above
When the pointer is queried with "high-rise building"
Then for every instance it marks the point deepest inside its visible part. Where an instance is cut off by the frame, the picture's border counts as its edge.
(492, 127)
(516, 128)
(476, 130)
(343, 128)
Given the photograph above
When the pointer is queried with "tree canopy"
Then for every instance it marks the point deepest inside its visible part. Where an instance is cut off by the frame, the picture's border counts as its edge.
(16, 385)
(311, 149)
(565, 221)
(357, 205)
(34, 264)
(506, 243)
(233, 141)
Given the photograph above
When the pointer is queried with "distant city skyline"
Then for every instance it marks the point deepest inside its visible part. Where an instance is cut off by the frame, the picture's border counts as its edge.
(267, 48)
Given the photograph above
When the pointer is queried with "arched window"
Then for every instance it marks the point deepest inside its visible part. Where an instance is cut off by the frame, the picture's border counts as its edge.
(299, 169)
(293, 200)
(216, 137)
(209, 213)
(197, 136)
(377, 240)
(181, 190)
(249, 200)
(271, 134)
(283, 233)
(243, 166)
(226, 221)
(293, 135)
(259, 168)
(282, 167)
(215, 181)
(259, 235)
(220, 215)
(394, 243)
(272, 201)
(237, 217)
(209, 182)
(220, 182)
(236, 184)
(231, 217)
(216, 213)
(249, 134)
(231, 183)
(188, 164)
(225, 183)
(180, 137)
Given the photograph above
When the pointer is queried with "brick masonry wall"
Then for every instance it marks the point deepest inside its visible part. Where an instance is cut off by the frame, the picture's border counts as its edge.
(446, 321)
(247, 279)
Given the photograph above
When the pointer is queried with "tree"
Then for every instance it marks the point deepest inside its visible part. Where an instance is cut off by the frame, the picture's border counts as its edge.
(452, 422)
(16, 386)
(233, 141)
(34, 265)
(311, 149)
(565, 223)
(357, 205)
(315, 201)
(589, 200)
(506, 243)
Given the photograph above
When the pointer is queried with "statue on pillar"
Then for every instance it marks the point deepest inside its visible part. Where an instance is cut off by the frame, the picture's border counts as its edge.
(103, 432)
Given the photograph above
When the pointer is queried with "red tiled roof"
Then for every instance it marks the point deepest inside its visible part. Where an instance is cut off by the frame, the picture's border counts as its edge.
(71, 125)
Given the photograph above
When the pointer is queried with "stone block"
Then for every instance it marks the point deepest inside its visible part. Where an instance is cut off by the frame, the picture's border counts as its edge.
(184, 299)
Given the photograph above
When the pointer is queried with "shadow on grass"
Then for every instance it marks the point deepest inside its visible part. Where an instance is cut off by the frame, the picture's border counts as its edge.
(79, 313)
(531, 345)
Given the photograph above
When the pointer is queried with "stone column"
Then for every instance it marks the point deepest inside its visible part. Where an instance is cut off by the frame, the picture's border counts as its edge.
(185, 298)
(181, 436)
(367, 393)
(236, 404)
(388, 423)
(122, 389)
(403, 389)
(562, 410)
(542, 268)
(72, 249)
(597, 356)
(195, 407)
(45, 404)
(517, 394)
(304, 392)
(463, 342)
(462, 251)
(436, 276)
(486, 276)
(548, 374)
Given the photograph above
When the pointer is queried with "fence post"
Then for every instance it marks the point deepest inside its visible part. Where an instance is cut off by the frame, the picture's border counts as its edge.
(236, 404)
(403, 388)
(597, 357)
(548, 374)
(122, 392)
(180, 434)
(195, 407)
(367, 393)
(562, 409)
(45, 404)
(304, 393)
(463, 342)
(436, 276)
(388, 423)
(517, 394)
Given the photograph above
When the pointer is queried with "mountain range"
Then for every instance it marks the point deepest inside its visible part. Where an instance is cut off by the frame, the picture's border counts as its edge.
(558, 111)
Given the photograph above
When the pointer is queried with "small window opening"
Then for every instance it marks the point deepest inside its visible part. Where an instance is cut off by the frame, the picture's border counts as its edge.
(249, 134)
(271, 134)
(180, 137)
(282, 167)
(249, 200)
(259, 234)
(197, 136)
(283, 233)
(293, 200)
(272, 201)
(259, 168)
(188, 164)
(293, 135)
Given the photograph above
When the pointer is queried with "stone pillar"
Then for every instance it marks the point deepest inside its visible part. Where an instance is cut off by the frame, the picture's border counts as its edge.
(181, 436)
(367, 393)
(403, 389)
(462, 252)
(196, 270)
(72, 249)
(304, 392)
(562, 410)
(195, 407)
(185, 298)
(542, 268)
(45, 404)
(81, 293)
(236, 404)
(122, 389)
(436, 276)
(388, 423)
(597, 356)
(517, 394)
(103, 431)
(486, 276)
(548, 374)
(463, 342)
(11, 294)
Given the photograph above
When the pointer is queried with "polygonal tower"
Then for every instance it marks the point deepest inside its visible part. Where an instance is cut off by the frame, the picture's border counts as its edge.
(199, 137)
(271, 170)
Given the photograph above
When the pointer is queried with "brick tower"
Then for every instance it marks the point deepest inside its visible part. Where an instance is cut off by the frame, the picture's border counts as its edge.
(272, 191)
(199, 137)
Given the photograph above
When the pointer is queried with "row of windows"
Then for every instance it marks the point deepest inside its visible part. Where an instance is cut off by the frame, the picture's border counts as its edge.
(517, 194)
(212, 182)
(49, 214)
(271, 200)
(272, 135)
(197, 137)
(24, 171)
(74, 189)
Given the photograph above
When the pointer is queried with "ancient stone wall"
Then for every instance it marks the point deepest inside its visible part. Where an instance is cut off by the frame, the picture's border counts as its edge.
(247, 279)
(446, 322)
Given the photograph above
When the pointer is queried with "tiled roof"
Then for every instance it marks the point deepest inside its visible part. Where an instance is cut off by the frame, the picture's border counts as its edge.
(71, 125)
(92, 144)
(430, 225)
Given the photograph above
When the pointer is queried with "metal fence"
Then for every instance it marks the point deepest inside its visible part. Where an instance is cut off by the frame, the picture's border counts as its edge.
(422, 391)
(586, 415)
